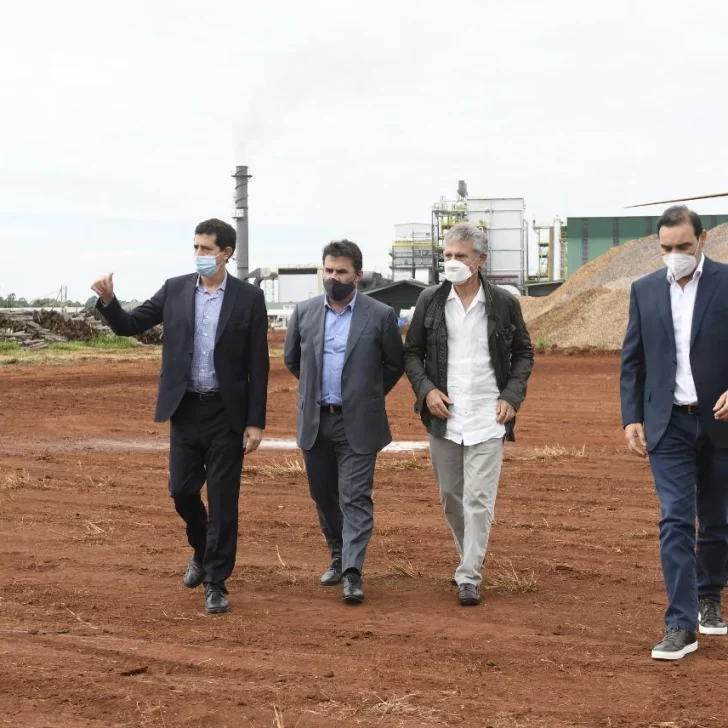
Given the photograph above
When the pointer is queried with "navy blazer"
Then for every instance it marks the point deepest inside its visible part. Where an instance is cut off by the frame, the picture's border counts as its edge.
(241, 345)
(649, 359)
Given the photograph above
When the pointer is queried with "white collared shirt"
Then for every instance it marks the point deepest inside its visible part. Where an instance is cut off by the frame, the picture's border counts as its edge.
(471, 382)
(682, 303)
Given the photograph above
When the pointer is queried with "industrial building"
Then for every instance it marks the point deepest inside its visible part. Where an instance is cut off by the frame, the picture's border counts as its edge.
(590, 237)
(285, 286)
(417, 249)
(400, 295)
(412, 252)
(559, 247)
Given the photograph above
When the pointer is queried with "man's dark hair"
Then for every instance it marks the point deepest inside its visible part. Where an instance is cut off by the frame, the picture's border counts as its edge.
(344, 249)
(224, 233)
(680, 215)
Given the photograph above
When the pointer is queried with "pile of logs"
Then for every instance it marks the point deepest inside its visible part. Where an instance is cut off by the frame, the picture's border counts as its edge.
(36, 329)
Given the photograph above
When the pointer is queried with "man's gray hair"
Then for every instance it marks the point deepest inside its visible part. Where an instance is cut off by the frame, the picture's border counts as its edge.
(464, 232)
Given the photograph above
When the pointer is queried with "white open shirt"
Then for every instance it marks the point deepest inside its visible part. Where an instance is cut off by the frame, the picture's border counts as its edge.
(682, 303)
(471, 382)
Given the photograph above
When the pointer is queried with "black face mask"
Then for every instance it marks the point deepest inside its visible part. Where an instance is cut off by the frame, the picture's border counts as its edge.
(338, 291)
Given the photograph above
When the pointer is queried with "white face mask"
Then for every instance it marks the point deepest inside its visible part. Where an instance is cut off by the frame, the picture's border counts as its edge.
(680, 265)
(456, 272)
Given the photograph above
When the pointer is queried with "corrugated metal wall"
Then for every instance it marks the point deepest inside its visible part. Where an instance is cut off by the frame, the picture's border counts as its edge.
(590, 237)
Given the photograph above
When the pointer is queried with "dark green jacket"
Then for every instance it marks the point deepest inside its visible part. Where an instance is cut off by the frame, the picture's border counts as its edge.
(425, 349)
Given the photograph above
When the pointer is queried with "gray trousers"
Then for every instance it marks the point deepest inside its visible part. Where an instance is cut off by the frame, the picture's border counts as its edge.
(468, 477)
(340, 482)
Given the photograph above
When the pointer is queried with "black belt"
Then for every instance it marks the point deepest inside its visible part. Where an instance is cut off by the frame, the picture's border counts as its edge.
(203, 396)
(689, 409)
(332, 409)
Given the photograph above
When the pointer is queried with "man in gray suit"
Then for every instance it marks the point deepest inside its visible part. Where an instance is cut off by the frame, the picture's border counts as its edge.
(346, 351)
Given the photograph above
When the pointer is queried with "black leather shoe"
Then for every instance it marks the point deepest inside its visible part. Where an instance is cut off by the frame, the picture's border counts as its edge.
(676, 644)
(469, 595)
(195, 573)
(353, 593)
(215, 600)
(332, 575)
(709, 618)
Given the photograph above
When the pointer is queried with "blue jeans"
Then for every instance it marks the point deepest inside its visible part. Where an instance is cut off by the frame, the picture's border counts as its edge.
(691, 479)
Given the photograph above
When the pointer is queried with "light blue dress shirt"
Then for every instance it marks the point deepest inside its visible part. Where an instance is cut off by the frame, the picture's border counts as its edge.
(207, 314)
(336, 334)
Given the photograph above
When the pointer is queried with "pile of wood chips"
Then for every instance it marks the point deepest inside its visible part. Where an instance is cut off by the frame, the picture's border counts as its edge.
(590, 310)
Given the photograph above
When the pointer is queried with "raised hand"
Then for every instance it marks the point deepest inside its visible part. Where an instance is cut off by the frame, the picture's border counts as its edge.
(103, 287)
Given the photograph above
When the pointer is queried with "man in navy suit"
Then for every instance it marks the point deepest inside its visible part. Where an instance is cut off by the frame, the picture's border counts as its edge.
(674, 384)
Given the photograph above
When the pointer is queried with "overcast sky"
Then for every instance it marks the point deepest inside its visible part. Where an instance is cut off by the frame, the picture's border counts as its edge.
(122, 122)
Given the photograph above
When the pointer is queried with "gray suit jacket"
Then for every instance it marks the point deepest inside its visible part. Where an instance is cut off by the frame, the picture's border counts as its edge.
(373, 364)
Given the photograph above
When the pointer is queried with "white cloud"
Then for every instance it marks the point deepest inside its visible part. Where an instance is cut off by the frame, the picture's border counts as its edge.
(123, 122)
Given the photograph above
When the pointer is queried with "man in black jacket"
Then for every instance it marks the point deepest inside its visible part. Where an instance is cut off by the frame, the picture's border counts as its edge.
(468, 357)
(213, 389)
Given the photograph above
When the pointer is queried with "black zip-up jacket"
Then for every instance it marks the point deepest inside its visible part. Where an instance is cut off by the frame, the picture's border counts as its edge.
(425, 349)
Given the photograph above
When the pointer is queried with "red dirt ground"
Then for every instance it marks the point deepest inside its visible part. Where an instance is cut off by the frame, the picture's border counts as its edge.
(93, 555)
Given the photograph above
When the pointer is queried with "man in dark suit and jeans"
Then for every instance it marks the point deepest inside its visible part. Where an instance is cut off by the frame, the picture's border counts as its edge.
(212, 387)
(674, 395)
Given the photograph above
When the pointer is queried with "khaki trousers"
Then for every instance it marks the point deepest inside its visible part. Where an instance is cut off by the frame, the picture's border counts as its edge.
(468, 477)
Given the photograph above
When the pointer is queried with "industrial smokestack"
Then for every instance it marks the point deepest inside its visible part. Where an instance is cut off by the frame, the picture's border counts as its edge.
(240, 213)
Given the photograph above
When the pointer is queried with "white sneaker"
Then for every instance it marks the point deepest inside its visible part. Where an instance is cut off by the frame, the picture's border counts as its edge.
(710, 620)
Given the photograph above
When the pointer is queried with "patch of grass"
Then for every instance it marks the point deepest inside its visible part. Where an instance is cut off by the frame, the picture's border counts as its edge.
(334, 709)
(110, 341)
(543, 342)
(404, 567)
(101, 341)
(403, 707)
(506, 578)
(68, 345)
(642, 535)
(549, 452)
(293, 466)
(275, 353)
(9, 346)
(94, 529)
(276, 469)
(59, 357)
(401, 464)
(397, 708)
(20, 481)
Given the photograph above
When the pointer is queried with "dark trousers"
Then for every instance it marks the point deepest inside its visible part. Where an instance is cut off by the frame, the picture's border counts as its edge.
(203, 447)
(691, 478)
(340, 482)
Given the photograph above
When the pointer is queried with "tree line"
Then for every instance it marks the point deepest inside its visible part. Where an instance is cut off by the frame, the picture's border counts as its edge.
(12, 301)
